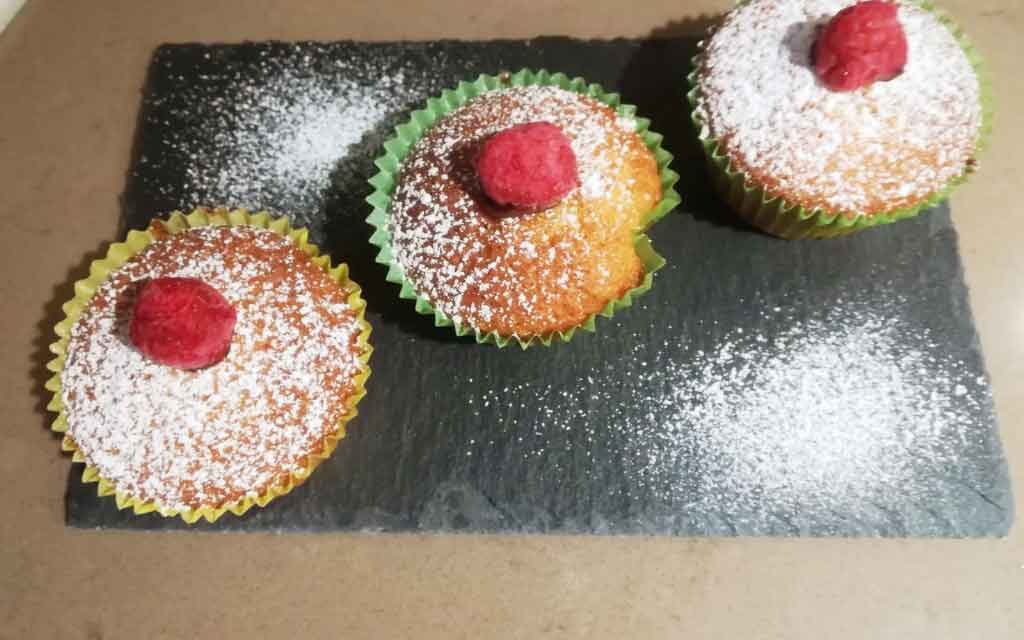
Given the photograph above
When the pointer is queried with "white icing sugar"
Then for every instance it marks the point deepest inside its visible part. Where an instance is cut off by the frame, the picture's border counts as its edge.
(278, 139)
(469, 264)
(190, 438)
(843, 411)
(892, 143)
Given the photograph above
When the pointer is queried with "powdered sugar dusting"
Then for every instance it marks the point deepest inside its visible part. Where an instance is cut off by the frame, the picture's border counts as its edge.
(826, 415)
(836, 413)
(547, 270)
(277, 138)
(191, 438)
(880, 148)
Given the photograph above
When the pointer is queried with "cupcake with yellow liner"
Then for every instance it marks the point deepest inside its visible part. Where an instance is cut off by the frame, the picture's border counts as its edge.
(824, 117)
(514, 207)
(208, 364)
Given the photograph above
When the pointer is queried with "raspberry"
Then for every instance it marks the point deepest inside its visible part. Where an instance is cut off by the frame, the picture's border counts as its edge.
(860, 45)
(527, 167)
(182, 322)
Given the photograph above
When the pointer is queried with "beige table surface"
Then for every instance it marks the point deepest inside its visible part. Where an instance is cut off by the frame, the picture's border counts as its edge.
(70, 77)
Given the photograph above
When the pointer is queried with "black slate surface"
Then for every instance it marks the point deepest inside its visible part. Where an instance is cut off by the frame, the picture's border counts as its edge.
(585, 437)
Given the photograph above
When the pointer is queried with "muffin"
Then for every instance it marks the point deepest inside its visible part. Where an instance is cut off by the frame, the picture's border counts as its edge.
(823, 117)
(209, 364)
(518, 213)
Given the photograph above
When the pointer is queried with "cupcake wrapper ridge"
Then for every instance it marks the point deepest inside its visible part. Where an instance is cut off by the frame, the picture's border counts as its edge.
(407, 134)
(117, 254)
(776, 216)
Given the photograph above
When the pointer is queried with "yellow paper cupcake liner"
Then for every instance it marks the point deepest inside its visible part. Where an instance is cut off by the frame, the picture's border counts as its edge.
(117, 255)
(779, 217)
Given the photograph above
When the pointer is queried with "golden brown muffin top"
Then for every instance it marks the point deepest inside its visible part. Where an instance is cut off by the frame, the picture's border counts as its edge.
(886, 146)
(187, 439)
(525, 274)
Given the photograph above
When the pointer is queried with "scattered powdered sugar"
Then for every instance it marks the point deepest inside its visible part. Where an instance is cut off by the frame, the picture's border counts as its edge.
(826, 413)
(842, 411)
(494, 271)
(290, 131)
(190, 438)
(875, 149)
(277, 138)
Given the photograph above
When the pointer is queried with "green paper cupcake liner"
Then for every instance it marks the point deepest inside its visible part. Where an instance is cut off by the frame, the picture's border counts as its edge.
(406, 136)
(775, 215)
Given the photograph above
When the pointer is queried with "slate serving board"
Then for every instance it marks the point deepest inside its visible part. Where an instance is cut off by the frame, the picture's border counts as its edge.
(679, 416)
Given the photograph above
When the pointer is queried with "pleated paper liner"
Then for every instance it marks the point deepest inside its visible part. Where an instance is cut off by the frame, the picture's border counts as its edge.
(774, 215)
(117, 255)
(406, 136)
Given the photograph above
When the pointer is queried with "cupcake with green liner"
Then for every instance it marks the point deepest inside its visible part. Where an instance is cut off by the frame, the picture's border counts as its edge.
(208, 364)
(514, 207)
(824, 117)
